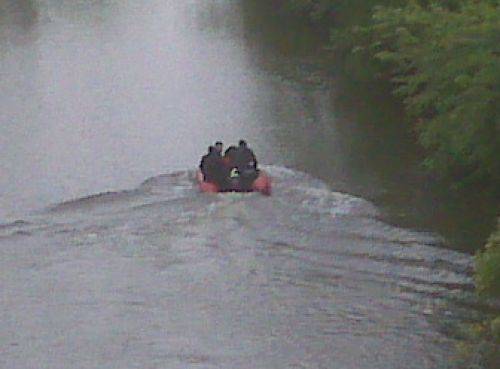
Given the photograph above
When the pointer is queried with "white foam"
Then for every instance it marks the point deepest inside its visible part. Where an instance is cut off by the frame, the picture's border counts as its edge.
(325, 201)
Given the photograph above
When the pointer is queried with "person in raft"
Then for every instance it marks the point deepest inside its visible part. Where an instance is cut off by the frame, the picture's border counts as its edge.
(213, 168)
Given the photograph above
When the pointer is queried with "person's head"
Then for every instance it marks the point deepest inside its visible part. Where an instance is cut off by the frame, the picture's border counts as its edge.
(242, 143)
(219, 146)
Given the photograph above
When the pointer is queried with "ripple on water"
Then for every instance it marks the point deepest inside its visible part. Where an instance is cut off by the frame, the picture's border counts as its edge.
(307, 276)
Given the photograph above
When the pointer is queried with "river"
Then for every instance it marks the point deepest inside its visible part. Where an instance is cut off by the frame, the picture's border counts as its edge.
(110, 257)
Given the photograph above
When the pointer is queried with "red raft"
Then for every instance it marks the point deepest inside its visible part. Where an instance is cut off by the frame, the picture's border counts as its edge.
(262, 184)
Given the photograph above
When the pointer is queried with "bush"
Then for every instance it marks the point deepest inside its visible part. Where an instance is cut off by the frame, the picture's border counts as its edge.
(445, 64)
(443, 57)
(488, 267)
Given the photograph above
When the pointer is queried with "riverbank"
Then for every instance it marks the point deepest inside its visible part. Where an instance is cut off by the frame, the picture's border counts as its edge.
(481, 345)
(464, 215)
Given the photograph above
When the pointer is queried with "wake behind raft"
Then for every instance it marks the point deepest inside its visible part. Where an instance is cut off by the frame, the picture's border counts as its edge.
(261, 184)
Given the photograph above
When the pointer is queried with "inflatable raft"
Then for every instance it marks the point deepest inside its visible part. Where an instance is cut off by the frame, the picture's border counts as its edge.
(261, 184)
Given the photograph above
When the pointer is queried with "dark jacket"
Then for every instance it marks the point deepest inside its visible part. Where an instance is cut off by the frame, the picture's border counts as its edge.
(213, 168)
(244, 158)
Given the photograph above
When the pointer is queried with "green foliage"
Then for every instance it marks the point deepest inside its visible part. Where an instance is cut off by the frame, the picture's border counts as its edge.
(446, 66)
(443, 58)
(480, 344)
(488, 267)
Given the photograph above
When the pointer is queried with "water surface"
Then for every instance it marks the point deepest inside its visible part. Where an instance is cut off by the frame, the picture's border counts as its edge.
(105, 268)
